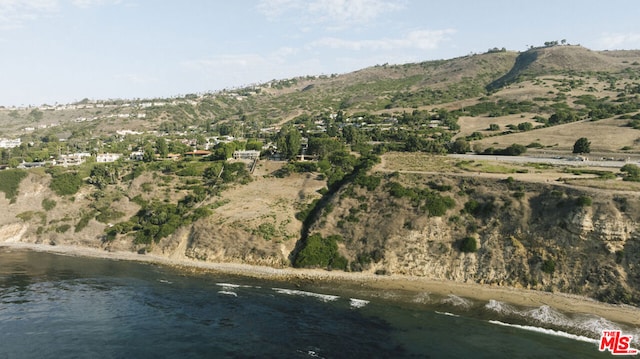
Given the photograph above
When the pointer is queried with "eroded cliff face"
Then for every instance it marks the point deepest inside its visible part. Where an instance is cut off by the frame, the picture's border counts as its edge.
(539, 236)
(545, 237)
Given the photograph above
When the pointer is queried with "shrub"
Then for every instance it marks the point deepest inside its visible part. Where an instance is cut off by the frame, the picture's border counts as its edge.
(84, 221)
(107, 215)
(584, 201)
(469, 245)
(63, 228)
(48, 204)
(549, 266)
(10, 181)
(368, 182)
(266, 231)
(632, 172)
(321, 252)
(437, 205)
(518, 194)
(67, 183)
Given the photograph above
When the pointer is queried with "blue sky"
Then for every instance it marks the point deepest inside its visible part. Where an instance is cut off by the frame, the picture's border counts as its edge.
(60, 51)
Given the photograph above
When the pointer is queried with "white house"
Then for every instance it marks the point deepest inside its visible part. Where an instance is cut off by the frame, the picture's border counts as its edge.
(137, 155)
(7, 143)
(246, 155)
(72, 159)
(108, 157)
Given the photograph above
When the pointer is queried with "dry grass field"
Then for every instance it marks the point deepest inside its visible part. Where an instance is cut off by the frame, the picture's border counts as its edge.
(575, 176)
(608, 135)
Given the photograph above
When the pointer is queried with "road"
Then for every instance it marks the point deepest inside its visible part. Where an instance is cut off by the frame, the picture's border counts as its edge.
(566, 161)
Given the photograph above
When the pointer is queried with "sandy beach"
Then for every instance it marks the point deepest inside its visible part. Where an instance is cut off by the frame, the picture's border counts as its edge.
(521, 297)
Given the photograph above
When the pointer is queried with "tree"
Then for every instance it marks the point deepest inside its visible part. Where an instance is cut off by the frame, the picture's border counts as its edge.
(632, 172)
(35, 115)
(289, 142)
(460, 146)
(149, 153)
(469, 245)
(525, 126)
(582, 145)
(162, 147)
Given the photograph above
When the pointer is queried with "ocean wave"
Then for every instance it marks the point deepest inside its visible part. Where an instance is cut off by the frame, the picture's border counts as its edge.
(422, 298)
(595, 325)
(357, 303)
(231, 285)
(589, 325)
(226, 292)
(457, 301)
(323, 297)
(500, 307)
(547, 331)
(547, 315)
(447, 314)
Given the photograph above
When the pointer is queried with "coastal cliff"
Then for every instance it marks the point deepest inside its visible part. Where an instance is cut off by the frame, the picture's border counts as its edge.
(547, 237)
(538, 236)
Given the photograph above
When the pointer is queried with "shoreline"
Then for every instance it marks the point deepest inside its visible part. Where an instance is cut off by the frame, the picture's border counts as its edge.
(567, 303)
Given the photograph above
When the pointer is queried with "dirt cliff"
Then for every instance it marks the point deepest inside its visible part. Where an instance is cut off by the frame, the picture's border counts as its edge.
(533, 235)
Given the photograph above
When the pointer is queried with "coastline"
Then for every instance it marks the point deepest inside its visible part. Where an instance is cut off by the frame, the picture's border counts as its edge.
(567, 303)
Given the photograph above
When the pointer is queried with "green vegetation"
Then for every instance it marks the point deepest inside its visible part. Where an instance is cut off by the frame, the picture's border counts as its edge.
(65, 183)
(582, 145)
(321, 252)
(469, 245)
(549, 266)
(513, 150)
(48, 204)
(10, 182)
(84, 221)
(631, 171)
(431, 202)
(63, 228)
(583, 201)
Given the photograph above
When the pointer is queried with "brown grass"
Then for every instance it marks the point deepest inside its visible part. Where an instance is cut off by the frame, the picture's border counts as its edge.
(608, 135)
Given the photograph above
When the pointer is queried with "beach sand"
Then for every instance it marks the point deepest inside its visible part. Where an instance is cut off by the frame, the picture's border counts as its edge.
(521, 297)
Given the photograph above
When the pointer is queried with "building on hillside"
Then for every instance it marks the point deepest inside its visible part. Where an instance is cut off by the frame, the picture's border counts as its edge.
(27, 165)
(246, 155)
(136, 155)
(107, 157)
(200, 153)
(7, 143)
(72, 159)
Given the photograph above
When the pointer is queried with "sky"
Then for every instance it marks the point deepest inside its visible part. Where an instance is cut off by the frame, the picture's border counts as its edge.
(63, 51)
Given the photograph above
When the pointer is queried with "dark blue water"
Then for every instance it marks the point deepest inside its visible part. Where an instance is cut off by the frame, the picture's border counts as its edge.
(54, 306)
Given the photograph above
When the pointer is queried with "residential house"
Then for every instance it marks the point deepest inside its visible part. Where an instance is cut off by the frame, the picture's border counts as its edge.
(246, 155)
(136, 155)
(107, 157)
(72, 159)
(7, 143)
(200, 153)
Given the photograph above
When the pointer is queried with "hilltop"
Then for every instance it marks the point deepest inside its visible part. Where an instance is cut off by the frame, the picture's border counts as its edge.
(353, 172)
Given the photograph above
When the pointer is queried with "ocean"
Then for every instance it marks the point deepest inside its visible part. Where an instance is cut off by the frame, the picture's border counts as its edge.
(55, 306)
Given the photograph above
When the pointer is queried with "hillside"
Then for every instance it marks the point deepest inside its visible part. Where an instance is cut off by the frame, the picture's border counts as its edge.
(353, 172)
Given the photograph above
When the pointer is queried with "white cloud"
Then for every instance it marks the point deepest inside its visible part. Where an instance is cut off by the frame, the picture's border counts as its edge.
(15, 13)
(612, 41)
(418, 39)
(242, 69)
(336, 14)
(349, 11)
(91, 3)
